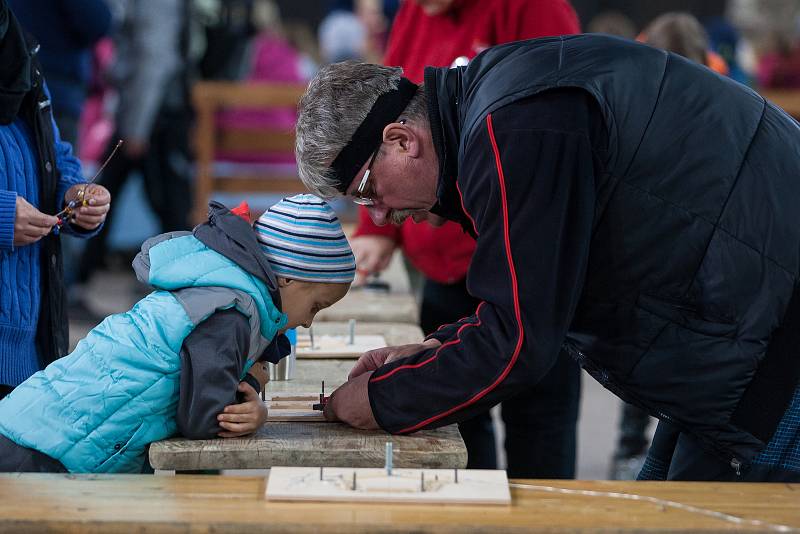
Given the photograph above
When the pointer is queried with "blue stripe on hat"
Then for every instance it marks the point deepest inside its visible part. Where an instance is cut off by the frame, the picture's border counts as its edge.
(302, 239)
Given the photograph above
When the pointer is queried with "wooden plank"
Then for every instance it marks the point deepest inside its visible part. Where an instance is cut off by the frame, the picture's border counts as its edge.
(33, 502)
(294, 408)
(249, 141)
(337, 346)
(366, 306)
(311, 444)
(420, 486)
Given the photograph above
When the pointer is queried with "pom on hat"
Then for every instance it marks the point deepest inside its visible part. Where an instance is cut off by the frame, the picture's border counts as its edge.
(243, 211)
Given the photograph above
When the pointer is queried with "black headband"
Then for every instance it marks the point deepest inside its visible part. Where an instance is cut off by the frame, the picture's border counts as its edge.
(369, 134)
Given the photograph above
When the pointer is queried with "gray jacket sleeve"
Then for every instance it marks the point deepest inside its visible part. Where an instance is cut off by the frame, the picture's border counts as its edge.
(212, 359)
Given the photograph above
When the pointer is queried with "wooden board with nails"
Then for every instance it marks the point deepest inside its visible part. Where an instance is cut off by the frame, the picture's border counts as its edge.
(293, 407)
(419, 486)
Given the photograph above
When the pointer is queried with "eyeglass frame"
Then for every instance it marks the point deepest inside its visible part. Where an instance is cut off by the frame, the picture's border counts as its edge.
(359, 197)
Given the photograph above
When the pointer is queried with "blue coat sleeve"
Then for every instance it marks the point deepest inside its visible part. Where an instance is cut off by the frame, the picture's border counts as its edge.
(8, 210)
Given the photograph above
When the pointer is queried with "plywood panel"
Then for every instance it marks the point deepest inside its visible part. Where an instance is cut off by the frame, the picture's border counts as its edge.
(421, 486)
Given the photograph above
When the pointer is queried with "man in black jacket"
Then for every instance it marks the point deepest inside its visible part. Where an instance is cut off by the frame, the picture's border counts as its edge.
(629, 206)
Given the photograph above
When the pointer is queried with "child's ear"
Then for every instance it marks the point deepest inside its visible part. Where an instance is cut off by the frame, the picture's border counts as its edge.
(283, 282)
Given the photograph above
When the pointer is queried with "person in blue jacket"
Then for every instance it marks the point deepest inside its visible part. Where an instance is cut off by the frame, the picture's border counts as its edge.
(224, 295)
(38, 175)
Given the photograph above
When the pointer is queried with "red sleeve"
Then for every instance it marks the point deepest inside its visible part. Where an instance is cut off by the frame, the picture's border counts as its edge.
(367, 227)
(530, 19)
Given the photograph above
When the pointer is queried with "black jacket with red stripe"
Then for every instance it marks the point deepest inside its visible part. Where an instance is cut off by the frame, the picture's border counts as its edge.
(631, 207)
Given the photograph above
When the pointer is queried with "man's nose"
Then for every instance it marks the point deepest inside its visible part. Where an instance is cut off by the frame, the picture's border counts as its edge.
(379, 215)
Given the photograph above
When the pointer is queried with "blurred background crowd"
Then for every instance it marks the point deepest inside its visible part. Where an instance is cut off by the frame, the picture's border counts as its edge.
(139, 71)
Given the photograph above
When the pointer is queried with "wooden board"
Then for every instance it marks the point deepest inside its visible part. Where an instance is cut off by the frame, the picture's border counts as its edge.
(421, 486)
(37, 502)
(366, 306)
(293, 407)
(312, 444)
(337, 346)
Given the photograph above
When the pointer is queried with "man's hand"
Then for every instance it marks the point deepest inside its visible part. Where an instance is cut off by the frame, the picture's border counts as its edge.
(371, 360)
(350, 404)
(373, 253)
(30, 224)
(94, 213)
(245, 418)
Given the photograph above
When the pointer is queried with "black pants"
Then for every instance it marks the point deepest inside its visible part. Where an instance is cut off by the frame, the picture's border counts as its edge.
(166, 169)
(675, 455)
(540, 424)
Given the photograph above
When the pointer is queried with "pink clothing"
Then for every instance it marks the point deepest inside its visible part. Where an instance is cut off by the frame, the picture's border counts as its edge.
(274, 60)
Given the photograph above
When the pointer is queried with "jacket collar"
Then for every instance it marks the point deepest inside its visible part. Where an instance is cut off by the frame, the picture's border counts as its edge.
(231, 236)
(442, 89)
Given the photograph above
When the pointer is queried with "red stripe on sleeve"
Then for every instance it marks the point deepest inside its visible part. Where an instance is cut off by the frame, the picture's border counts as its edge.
(435, 354)
(514, 288)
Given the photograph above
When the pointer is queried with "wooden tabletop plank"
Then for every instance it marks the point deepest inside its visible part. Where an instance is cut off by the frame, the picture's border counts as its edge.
(372, 306)
(200, 503)
(312, 444)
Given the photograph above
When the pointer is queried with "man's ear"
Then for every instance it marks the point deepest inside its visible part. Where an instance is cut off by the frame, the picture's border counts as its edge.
(283, 282)
(403, 137)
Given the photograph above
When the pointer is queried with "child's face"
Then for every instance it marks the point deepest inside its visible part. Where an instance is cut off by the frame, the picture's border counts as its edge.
(302, 300)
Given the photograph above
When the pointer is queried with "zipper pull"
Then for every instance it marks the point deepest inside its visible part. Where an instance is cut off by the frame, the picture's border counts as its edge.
(737, 466)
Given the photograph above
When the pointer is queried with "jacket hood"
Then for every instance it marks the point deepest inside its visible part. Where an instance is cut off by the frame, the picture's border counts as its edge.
(225, 233)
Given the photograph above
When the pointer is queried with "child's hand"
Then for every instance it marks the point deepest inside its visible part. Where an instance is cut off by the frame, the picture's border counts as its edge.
(245, 418)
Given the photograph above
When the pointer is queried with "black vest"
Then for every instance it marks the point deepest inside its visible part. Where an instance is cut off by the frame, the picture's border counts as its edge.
(695, 251)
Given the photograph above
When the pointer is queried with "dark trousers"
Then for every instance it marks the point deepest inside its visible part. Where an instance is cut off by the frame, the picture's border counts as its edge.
(540, 424)
(166, 170)
(18, 459)
(675, 455)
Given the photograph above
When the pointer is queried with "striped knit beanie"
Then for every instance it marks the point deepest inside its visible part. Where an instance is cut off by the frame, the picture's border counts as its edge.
(303, 240)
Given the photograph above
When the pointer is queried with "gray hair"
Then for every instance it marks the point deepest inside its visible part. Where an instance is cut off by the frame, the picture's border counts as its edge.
(335, 104)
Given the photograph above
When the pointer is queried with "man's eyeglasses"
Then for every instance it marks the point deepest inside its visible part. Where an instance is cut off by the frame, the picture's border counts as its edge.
(361, 195)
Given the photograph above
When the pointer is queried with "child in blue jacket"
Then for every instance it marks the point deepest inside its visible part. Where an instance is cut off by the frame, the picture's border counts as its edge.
(224, 295)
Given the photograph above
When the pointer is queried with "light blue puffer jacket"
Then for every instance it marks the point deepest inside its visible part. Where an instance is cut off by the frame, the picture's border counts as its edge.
(97, 409)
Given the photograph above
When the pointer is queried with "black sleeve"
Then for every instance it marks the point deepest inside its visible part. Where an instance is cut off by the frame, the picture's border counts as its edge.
(528, 184)
(212, 359)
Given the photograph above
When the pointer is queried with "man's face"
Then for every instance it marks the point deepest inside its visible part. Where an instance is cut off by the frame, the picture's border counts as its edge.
(435, 7)
(402, 177)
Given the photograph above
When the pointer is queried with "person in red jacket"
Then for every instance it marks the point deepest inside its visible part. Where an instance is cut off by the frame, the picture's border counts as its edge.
(540, 425)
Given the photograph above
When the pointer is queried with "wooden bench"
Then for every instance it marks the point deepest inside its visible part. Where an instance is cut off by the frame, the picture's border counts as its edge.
(212, 98)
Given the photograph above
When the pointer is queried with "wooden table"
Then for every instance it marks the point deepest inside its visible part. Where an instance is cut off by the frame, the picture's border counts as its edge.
(372, 306)
(203, 503)
(313, 444)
